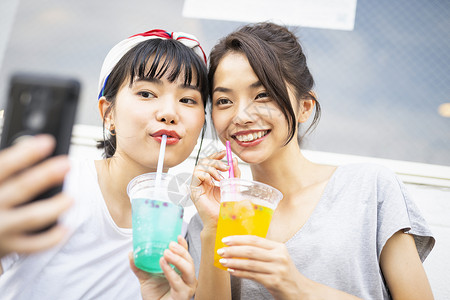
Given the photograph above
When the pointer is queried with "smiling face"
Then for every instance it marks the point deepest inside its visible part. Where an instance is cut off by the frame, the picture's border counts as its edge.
(148, 108)
(244, 113)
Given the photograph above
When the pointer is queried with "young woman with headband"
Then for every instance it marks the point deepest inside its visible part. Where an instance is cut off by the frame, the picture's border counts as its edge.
(149, 83)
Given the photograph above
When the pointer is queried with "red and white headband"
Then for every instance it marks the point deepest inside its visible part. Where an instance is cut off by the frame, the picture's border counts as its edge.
(119, 50)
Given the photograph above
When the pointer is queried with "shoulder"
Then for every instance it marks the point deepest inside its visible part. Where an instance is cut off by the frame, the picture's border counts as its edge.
(369, 169)
(367, 172)
(368, 181)
(80, 166)
(81, 172)
(81, 184)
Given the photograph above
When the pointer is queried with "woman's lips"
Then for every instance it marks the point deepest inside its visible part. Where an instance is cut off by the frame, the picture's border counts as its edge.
(172, 136)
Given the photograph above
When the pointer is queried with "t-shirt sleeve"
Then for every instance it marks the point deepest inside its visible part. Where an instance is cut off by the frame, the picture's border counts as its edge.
(184, 226)
(194, 241)
(397, 211)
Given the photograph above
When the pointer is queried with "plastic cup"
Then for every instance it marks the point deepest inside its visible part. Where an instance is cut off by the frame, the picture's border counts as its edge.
(157, 217)
(246, 208)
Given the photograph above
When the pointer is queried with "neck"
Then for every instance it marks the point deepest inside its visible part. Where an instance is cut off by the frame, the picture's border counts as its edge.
(115, 173)
(286, 171)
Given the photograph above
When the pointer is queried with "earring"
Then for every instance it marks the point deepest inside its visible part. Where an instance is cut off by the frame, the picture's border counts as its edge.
(112, 130)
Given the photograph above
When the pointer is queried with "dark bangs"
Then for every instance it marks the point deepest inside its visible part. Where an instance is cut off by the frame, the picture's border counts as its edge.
(156, 59)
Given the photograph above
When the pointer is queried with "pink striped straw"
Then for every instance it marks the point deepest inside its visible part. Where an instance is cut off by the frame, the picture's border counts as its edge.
(230, 160)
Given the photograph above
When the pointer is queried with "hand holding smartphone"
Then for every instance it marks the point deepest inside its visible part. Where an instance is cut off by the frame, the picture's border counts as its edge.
(23, 175)
(41, 104)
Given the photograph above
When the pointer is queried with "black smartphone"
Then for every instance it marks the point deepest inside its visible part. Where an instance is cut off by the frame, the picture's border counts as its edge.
(41, 104)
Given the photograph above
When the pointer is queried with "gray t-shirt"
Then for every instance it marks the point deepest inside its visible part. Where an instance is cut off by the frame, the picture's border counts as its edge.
(362, 206)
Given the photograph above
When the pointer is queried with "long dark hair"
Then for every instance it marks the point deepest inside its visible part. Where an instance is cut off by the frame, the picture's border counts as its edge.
(171, 59)
(276, 57)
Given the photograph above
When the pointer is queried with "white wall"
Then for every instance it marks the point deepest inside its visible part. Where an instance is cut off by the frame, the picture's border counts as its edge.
(429, 186)
(434, 203)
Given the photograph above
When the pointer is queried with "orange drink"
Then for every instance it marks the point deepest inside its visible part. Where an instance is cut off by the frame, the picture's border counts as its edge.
(240, 218)
(246, 208)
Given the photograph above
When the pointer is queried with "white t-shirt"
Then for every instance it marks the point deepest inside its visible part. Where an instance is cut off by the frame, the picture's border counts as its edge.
(340, 244)
(91, 264)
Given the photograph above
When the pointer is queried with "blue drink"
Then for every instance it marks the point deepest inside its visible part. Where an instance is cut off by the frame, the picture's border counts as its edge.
(157, 214)
(155, 225)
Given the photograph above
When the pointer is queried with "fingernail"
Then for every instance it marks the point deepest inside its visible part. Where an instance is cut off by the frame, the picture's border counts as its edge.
(226, 240)
(28, 140)
(230, 270)
(39, 142)
(220, 252)
(223, 261)
(221, 176)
